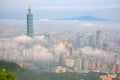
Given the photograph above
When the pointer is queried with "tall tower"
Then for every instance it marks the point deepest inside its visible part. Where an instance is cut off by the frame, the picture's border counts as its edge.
(29, 23)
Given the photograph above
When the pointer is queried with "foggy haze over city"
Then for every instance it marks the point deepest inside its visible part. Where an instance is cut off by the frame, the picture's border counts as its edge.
(18, 27)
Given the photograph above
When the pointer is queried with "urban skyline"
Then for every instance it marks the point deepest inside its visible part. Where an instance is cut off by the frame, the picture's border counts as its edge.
(60, 40)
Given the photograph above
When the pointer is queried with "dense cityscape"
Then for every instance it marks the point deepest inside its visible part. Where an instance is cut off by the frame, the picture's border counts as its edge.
(66, 49)
(75, 52)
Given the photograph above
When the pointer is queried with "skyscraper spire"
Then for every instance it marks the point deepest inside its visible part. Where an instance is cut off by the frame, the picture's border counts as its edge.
(29, 10)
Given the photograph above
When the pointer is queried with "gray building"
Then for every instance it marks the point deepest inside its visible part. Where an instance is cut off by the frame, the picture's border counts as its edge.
(91, 40)
(99, 39)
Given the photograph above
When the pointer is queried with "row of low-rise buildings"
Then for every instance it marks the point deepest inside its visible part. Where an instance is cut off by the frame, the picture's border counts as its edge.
(85, 64)
(82, 65)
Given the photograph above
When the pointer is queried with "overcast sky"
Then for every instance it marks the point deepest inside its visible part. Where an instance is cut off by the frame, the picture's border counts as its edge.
(52, 9)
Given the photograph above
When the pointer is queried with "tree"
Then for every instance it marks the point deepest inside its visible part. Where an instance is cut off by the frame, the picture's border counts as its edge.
(7, 75)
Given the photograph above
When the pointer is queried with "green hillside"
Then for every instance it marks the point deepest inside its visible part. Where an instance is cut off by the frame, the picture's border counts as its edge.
(23, 74)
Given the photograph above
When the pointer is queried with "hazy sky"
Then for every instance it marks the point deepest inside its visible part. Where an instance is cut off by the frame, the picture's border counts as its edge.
(52, 9)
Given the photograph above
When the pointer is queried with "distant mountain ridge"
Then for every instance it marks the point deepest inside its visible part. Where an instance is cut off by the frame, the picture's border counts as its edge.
(84, 18)
(87, 17)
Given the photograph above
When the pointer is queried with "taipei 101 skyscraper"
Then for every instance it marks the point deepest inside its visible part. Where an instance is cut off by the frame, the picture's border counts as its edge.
(29, 23)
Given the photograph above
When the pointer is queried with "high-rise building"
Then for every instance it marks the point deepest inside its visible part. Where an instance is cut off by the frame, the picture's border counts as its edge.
(91, 41)
(85, 64)
(70, 62)
(99, 39)
(98, 65)
(78, 63)
(29, 23)
(78, 40)
(93, 65)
